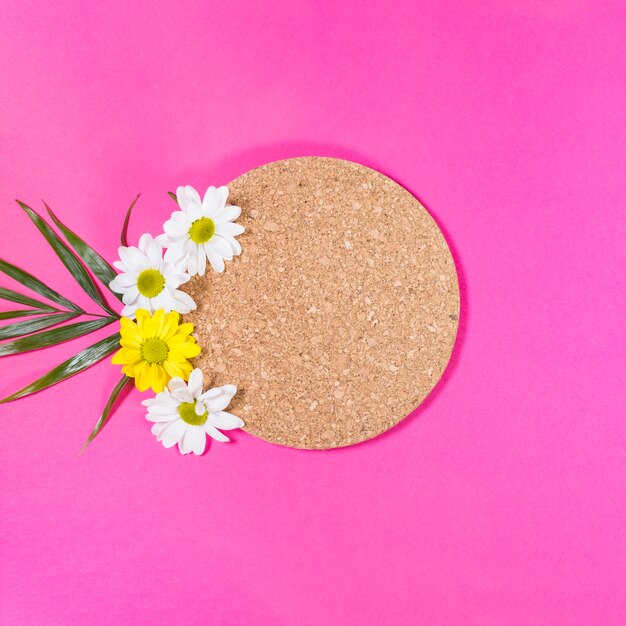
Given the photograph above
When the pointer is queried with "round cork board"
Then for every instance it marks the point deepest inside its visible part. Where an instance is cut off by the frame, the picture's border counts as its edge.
(339, 316)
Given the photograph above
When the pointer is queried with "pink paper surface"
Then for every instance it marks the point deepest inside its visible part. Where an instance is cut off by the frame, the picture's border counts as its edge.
(502, 499)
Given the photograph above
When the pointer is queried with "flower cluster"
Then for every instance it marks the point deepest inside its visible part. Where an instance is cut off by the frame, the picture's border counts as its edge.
(155, 347)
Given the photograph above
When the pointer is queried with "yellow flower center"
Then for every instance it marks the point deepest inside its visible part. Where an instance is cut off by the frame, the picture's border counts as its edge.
(187, 412)
(154, 350)
(150, 283)
(202, 230)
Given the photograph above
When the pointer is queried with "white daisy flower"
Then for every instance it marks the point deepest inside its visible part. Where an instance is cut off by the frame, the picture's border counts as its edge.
(148, 282)
(201, 230)
(183, 414)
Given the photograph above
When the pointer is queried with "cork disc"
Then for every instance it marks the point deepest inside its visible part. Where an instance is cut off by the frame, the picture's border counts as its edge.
(339, 316)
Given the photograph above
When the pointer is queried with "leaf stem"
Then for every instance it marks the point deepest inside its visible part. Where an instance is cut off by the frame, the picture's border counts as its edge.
(123, 236)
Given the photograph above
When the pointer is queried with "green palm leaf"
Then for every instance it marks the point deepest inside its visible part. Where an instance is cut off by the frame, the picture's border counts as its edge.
(79, 362)
(8, 315)
(68, 258)
(30, 326)
(106, 413)
(28, 280)
(53, 337)
(123, 237)
(99, 266)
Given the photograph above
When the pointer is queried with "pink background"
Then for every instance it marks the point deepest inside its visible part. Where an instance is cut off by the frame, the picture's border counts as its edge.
(502, 499)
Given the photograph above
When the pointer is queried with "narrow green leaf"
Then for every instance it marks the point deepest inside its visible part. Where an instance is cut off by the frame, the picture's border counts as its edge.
(106, 413)
(8, 315)
(123, 237)
(20, 329)
(172, 196)
(68, 258)
(28, 280)
(53, 337)
(79, 362)
(99, 266)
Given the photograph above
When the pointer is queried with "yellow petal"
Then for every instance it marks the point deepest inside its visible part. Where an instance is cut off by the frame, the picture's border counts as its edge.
(170, 327)
(127, 356)
(178, 355)
(172, 318)
(173, 369)
(118, 357)
(185, 329)
(132, 344)
(178, 339)
(158, 318)
(142, 379)
(189, 350)
(129, 329)
(157, 377)
(149, 327)
(187, 369)
(142, 315)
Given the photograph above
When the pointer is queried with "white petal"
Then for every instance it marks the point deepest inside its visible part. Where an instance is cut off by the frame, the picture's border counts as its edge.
(183, 302)
(125, 280)
(177, 383)
(174, 277)
(185, 444)
(195, 383)
(212, 432)
(224, 420)
(154, 253)
(230, 390)
(193, 196)
(214, 200)
(211, 393)
(181, 197)
(193, 212)
(183, 395)
(201, 262)
(117, 284)
(172, 433)
(177, 227)
(228, 214)
(144, 242)
(163, 240)
(221, 246)
(233, 243)
(129, 310)
(228, 228)
(132, 258)
(161, 301)
(157, 418)
(159, 410)
(218, 403)
(141, 302)
(163, 400)
(187, 196)
(159, 427)
(175, 253)
(216, 261)
(198, 440)
(192, 260)
(222, 197)
(130, 295)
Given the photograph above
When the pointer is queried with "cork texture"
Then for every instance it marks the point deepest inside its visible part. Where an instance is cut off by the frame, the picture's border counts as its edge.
(340, 315)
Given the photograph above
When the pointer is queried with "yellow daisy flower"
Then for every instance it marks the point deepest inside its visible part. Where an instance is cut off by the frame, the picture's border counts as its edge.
(155, 349)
